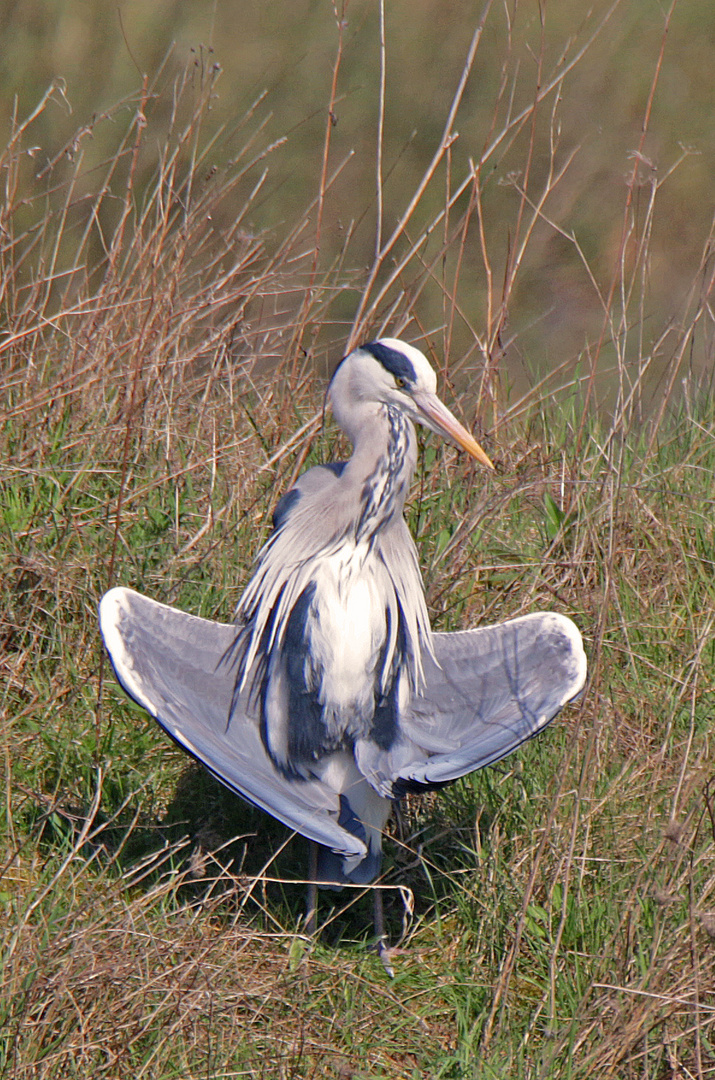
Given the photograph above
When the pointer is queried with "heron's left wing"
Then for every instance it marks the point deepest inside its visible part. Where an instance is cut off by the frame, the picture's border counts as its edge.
(491, 689)
(173, 665)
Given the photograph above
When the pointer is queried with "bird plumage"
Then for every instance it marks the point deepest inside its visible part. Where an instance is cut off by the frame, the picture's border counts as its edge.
(330, 696)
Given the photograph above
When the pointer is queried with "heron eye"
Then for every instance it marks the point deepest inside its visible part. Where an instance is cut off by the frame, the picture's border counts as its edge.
(400, 382)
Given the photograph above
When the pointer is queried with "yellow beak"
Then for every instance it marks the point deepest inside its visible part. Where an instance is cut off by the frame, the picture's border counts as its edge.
(438, 417)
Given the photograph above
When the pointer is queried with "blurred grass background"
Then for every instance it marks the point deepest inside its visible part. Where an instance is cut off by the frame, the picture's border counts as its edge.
(183, 258)
(277, 61)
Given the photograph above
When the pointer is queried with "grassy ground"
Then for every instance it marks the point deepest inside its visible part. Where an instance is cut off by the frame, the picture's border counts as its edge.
(162, 383)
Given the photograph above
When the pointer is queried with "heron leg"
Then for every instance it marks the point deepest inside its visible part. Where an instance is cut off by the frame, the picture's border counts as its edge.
(381, 943)
(311, 906)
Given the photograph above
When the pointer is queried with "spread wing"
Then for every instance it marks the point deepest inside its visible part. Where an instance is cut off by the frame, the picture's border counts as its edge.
(172, 664)
(491, 689)
(486, 691)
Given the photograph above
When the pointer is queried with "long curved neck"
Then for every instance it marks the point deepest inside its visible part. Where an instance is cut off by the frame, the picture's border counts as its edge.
(381, 468)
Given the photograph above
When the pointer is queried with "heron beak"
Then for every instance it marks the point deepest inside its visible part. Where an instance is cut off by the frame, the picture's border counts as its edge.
(436, 415)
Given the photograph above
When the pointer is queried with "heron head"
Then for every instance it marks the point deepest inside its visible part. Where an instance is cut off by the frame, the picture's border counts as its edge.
(391, 372)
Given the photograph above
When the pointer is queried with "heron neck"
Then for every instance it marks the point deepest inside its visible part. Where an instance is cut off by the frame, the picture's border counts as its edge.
(382, 464)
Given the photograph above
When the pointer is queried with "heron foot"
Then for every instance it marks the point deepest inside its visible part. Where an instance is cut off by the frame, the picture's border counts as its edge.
(385, 954)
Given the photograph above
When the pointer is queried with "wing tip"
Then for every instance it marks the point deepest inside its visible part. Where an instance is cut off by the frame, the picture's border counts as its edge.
(113, 608)
(571, 632)
(112, 605)
(562, 627)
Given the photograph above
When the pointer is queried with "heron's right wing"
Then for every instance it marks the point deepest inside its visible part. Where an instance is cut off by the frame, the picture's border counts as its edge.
(491, 690)
(173, 665)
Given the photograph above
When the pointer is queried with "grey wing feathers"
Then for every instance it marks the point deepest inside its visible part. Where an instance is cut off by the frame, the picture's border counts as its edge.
(486, 691)
(310, 517)
(491, 689)
(172, 665)
(315, 479)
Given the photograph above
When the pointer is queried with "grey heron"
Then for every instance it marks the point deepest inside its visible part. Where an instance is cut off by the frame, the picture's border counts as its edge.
(330, 696)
